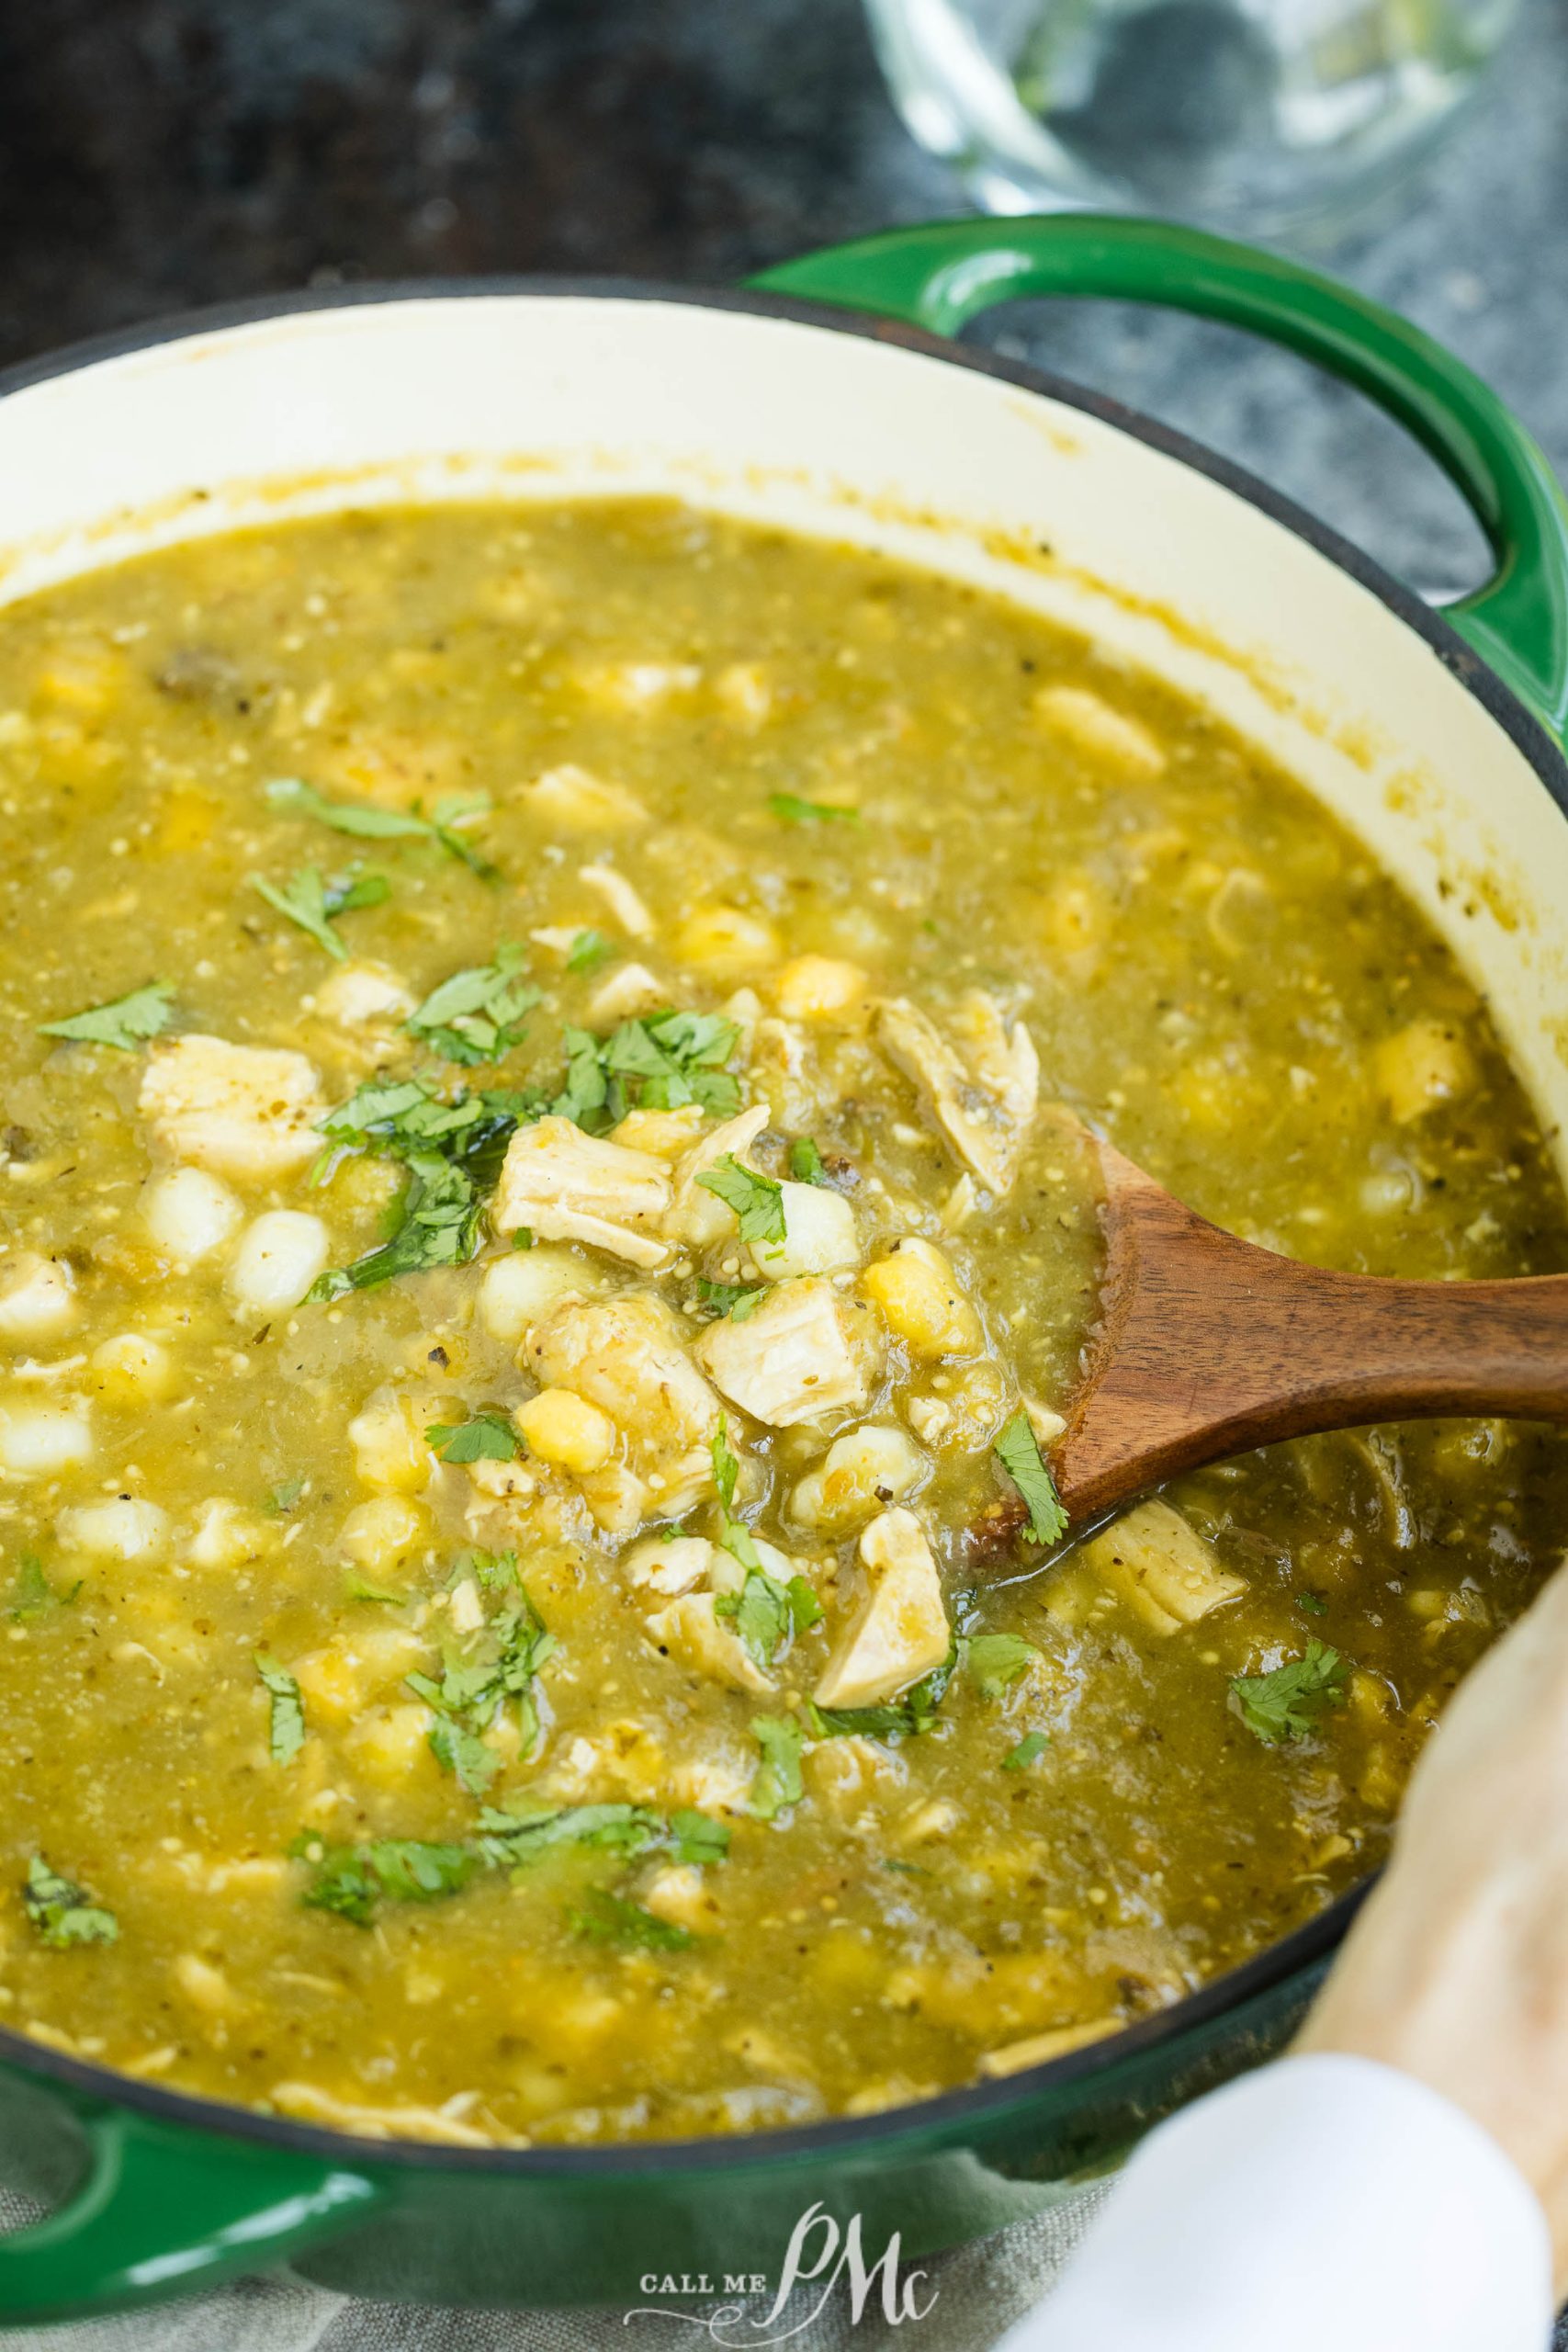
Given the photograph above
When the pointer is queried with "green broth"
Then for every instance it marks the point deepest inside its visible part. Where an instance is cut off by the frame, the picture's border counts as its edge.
(825, 782)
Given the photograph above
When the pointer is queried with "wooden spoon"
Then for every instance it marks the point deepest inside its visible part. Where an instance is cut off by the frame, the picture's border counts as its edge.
(1207, 1346)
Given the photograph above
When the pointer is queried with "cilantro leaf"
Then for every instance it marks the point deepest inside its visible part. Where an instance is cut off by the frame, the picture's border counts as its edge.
(697, 1838)
(477, 1015)
(726, 1465)
(487, 1437)
(1288, 1702)
(611, 1919)
(1312, 1602)
(367, 822)
(355, 1588)
(757, 1201)
(496, 1669)
(62, 1913)
(34, 1595)
(589, 950)
(125, 1023)
(458, 1750)
(903, 1718)
(452, 1151)
(767, 1614)
(995, 1661)
(282, 1499)
(735, 1300)
(286, 1735)
(805, 1162)
(792, 810)
(1017, 1451)
(779, 1781)
(311, 903)
(350, 1879)
(1034, 1744)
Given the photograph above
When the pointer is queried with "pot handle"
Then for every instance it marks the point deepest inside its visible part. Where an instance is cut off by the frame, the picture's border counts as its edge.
(163, 2209)
(941, 275)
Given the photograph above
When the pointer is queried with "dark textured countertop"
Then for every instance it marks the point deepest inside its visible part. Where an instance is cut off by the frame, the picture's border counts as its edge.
(160, 154)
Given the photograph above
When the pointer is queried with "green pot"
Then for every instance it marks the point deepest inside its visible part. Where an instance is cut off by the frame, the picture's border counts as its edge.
(770, 404)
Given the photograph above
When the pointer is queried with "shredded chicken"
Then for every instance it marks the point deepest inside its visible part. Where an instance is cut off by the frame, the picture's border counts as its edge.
(900, 1631)
(806, 1351)
(699, 1218)
(1161, 1567)
(688, 1631)
(626, 1355)
(983, 1088)
(238, 1110)
(566, 1186)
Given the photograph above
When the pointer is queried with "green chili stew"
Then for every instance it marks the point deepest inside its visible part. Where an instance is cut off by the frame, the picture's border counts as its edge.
(538, 1284)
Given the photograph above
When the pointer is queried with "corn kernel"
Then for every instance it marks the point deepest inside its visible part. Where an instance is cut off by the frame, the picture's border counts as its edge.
(815, 987)
(559, 1428)
(918, 1295)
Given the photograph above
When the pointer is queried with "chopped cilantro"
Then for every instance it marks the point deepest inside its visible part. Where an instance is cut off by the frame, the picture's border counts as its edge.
(778, 1782)
(805, 1162)
(34, 1595)
(610, 1919)
(1032, 1744)
(286, 1735)
(125, 1023)
(478, 1015)
(367, 822)
(482, 1677)
(355, 1588)
(453, 1152)
(732, 1299)
(792, 810)
(350, 1879)
(1312, 1602)
(311, 903)
(1017, 1451)
(726, 1466)
(62, 1913)
(487, 1437)
(995, 1661)
(1288, 1702)
(696, 1837)
(905, 1870)
(282, 1499)
(589, 950)
(903, 1718)
(767, 1614)
(757, 1201)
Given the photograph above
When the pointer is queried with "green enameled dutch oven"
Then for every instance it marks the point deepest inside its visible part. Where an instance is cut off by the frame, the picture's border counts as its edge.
(1437, 739)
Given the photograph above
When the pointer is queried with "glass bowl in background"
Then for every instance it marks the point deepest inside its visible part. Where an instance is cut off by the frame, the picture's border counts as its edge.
(1258, 116)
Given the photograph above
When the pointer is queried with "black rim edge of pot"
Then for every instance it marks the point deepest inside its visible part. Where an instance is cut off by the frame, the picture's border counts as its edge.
(1269, 1969)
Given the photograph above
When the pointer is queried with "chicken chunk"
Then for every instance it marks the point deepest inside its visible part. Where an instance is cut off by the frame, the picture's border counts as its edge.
(900, 1631)
(624, 994)
(566, 1186)
(689, 1631)
(1161, 1567)
(806, 1351)
(571, 799)
(242, 1111)
(359, 993)
(696, 1218)
(626, 1356)
(669, 1568)
(982, 1088)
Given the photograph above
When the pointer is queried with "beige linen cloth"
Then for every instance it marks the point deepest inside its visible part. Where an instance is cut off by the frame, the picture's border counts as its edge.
(980, 2290)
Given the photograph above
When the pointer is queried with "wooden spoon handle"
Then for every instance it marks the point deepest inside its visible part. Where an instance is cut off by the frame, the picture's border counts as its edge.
(1209, 1346)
